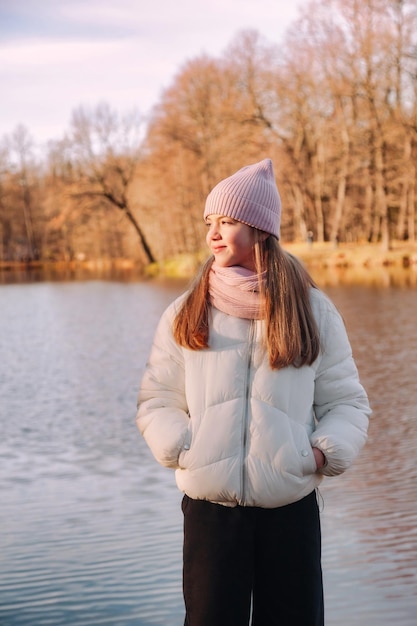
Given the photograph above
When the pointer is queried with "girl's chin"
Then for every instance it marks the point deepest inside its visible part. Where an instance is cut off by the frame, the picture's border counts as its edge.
(223, 263)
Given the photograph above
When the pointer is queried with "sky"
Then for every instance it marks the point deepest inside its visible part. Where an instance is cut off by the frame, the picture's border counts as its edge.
(56, 55)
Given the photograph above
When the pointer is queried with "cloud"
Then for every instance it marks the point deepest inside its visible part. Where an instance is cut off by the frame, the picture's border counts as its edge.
(48, 79)
(58, 54)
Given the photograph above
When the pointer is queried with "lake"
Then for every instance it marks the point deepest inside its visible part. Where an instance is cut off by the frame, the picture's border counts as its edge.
(91, 527)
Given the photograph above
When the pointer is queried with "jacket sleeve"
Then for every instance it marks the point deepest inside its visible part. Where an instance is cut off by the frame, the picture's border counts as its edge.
(341, 403)
(162, 415)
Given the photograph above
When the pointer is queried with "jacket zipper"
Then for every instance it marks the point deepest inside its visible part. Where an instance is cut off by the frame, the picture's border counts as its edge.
(246, 407)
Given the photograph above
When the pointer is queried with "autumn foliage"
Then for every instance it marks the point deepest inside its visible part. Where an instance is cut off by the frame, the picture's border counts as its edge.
(334, 105)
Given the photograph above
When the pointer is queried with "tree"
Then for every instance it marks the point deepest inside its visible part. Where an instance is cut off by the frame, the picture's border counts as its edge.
(209, 123)
(21, 145)
(105, 155)
(380, 35)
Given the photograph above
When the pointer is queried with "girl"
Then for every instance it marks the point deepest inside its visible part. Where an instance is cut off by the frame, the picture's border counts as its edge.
(251, 394)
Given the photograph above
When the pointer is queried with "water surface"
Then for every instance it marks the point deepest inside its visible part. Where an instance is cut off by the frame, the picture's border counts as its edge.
(90, 524)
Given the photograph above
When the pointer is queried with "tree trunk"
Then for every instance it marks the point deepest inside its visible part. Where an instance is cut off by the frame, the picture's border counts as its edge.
(381, 199)
(300, 228)
(27, 215)
(148, 252)
(342, 177)
(318, 206)
(412, 211)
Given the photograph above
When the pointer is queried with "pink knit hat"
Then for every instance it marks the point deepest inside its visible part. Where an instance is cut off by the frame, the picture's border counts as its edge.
(250, 196)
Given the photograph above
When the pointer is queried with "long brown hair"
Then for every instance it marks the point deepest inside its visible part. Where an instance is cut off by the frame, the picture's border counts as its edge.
(291, 334)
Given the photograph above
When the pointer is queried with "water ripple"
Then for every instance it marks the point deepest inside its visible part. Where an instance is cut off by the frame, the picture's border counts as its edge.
(91, 526)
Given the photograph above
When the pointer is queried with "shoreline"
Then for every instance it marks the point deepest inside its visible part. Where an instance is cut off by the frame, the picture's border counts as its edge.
(327, 262)
(366, 255)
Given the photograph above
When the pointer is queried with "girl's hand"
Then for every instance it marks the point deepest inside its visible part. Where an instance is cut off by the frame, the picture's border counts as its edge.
(319, 458)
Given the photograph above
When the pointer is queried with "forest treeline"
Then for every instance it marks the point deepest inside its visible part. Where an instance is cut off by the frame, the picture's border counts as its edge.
(334, 105)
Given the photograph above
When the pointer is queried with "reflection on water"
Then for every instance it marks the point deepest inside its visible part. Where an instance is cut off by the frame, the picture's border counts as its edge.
(370, 516)
(91, 525)
(378, 276)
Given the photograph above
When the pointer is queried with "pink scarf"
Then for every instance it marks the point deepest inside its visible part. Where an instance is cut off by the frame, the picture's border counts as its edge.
(235, 291)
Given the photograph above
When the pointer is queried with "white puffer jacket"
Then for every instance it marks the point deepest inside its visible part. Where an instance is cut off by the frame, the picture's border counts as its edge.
(238, 432)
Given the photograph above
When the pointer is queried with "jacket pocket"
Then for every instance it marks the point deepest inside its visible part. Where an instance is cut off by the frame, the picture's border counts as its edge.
(186, 445)
(302, 462)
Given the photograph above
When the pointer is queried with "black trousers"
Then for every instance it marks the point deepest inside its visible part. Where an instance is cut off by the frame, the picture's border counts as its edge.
(247, 561)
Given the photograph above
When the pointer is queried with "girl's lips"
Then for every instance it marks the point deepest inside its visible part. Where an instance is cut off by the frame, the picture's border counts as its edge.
(217, 249)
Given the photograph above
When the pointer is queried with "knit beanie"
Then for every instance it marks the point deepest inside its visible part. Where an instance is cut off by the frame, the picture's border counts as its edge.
(249, 196)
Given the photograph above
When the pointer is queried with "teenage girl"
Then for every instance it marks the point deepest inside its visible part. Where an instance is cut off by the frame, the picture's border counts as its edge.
(251, 394)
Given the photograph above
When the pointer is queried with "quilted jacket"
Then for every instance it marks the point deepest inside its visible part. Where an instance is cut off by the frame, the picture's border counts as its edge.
(238, 432)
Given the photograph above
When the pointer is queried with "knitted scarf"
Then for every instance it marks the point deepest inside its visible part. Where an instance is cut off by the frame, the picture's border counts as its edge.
(235, 291)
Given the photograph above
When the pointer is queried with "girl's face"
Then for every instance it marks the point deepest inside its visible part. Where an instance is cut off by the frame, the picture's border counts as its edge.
(230, 241)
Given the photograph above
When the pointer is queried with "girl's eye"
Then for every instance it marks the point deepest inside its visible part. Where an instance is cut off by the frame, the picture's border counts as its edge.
(228, 221)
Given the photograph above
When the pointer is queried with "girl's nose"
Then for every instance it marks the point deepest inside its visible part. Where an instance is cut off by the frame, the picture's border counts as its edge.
(214, 232)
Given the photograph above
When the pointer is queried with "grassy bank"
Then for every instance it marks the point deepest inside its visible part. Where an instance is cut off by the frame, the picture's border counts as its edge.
(319, 258)
(327, 255)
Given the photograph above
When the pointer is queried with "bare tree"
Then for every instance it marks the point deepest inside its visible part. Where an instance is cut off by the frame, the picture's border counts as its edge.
(21, 145)
(210, 122)
(335, 106)
(105, 154)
